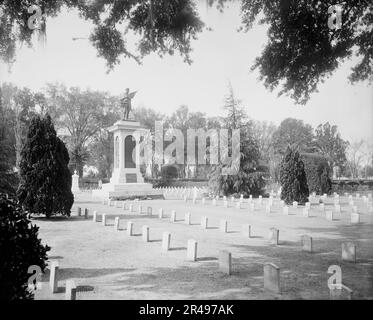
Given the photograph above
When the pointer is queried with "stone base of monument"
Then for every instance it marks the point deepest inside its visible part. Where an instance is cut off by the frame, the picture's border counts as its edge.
(127, 191)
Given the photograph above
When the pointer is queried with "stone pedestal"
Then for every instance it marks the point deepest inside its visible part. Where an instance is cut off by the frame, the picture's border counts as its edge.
(126, 180)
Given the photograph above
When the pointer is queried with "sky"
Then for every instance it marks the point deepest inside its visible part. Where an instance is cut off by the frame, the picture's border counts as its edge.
(219, 57)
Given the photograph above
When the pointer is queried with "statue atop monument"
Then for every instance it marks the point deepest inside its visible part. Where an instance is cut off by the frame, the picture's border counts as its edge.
(125, 103)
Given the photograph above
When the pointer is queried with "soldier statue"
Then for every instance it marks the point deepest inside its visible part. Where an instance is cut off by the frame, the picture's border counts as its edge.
(126, 103)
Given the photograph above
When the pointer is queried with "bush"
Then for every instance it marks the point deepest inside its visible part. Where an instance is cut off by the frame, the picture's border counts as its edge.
(318, 173)
(293, 178)
(169, 172)
(244, 183)
(20, 248)
(45, 180)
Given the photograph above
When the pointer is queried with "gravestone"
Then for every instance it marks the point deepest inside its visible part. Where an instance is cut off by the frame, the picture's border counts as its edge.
(273, 236)
(150, 211)
(225, 262)
(246, 230)
(116, 223)
(192, 250)
(329, 215)
(130, 228)
(295, 204)
(260, 200)
(130, 207)
(355, 218)
(204, 222)
(79, 212)
(103, 221)
(173, 216)
(306, 243)
(94, 219)
(166, 240)
(160, 213)
(306, 212)
(349, 251)
(187, 218)
(145, 233)
(224, 226)
(214, 202)
(337, 208)
(238, 205)
(53, 277)
(272, 278)
(70, 293)
(308, 205)
(285, 210)
(340, 292)
(85, 213)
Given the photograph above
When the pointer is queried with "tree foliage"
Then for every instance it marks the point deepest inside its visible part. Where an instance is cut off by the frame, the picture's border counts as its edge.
(318, 173)
(294, 133)
(302, 50)
(330, 144)
(161, 26)
(293, 178)
(45, 180)
(20, 248)
(249, 179)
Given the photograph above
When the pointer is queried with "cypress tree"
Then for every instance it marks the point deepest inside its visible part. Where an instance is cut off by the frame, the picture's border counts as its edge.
(45, 180)
(293, 178)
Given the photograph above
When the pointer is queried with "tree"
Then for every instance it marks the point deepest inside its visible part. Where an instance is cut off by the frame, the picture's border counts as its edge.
(302, 50)
(294, 133)
(330, 144)
(161, 26)
(19, 107)
(355, 157)
(45, 180)
(236, 113)
(318, 172)
(7, 154)
(293, 178)
(249, 179)
(20, 248)
(83, 114)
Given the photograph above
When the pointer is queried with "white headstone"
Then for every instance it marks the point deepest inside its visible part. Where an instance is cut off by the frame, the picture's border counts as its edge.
(224, 226)
(166, 241)
(145, 233)
(192, 250)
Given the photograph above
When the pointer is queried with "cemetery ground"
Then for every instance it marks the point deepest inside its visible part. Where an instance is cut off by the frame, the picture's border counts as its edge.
(106, 263)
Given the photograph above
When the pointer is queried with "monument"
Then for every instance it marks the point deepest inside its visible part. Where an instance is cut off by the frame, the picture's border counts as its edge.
(126, 181)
